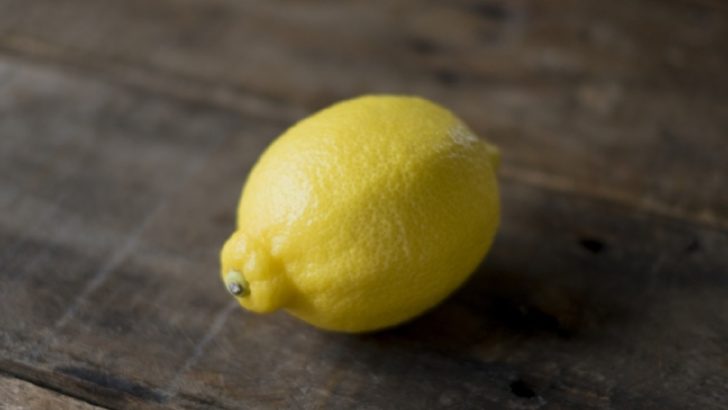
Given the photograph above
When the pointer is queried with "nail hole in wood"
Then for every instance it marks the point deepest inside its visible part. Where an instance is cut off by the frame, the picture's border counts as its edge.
(490, 11)
(693, 246)
(521, 389)
(423, 46)
(593, 245)
(447, 77)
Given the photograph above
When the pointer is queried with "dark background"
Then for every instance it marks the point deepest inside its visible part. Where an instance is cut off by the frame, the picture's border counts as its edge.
(127, 129)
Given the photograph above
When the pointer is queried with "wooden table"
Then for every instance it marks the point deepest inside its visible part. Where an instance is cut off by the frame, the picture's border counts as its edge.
(127, 129)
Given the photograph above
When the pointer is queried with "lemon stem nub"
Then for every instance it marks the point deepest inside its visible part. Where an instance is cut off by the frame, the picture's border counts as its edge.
(235, 288)
(236, 284)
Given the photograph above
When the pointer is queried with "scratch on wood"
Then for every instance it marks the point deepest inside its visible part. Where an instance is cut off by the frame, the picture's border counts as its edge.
(102, 274)
(39, 222)
(5, 76)
(200, 347)
(100, 277)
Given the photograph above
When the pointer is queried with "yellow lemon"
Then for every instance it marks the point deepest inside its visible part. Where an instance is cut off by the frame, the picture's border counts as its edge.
(364, 215)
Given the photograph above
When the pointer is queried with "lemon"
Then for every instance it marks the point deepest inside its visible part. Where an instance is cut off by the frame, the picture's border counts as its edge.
(363, 215)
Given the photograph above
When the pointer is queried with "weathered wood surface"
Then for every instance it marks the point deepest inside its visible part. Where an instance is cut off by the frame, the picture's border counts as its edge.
(564, 87)
(126, 130)
(20, 395)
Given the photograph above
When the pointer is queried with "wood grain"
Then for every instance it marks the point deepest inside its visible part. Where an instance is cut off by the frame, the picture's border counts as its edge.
(603, 99)
(19, 395)
(127, 129)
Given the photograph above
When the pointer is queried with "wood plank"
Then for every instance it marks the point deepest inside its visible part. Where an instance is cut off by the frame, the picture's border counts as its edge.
(637, 321)
(605, 99)
(88, 168)
(115, 203)
(20, 395)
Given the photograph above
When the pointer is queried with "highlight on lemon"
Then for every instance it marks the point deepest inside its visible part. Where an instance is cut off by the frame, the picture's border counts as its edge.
(363, 215)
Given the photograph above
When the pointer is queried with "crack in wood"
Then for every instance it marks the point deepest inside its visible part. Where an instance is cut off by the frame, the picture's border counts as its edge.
(653, 207)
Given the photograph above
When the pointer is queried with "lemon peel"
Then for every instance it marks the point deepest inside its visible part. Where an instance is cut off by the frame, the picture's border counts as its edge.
(364, 215)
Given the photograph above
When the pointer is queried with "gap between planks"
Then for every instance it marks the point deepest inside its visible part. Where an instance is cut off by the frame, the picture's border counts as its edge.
(17, 371)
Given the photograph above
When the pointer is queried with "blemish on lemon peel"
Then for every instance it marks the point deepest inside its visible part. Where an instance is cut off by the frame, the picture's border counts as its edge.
(462, 135)
(364, 215)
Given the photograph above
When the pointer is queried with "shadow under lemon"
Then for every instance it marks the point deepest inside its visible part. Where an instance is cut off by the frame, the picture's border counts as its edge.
(528, 289)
